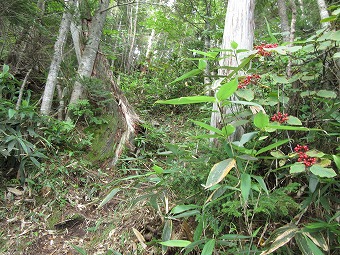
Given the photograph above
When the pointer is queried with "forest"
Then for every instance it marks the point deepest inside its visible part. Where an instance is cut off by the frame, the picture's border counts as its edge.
(169, 127)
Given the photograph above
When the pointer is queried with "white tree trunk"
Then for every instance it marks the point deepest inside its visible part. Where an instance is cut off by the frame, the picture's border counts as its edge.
(239, 27)
(89, 55)
(323, 12)
(150, 43)
(55, 64)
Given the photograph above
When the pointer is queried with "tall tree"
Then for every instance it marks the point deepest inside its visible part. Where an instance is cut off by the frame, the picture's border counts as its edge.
(239, 28)
(323, 12)
(91, 48)
(282, 8)
(51, 81)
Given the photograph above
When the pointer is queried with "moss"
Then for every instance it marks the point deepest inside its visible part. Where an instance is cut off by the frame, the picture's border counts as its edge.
(104, 140)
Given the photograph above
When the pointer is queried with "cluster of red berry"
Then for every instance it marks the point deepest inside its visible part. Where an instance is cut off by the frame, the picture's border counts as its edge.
(250, 79)
(303, 157)
(280, 117)
(261, 49)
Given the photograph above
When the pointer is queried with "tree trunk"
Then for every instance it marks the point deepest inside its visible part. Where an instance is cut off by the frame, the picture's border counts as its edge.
(91, 48)
(239, 27)
(133, 24)
(51, 81)
(323, 12)
(282, 8)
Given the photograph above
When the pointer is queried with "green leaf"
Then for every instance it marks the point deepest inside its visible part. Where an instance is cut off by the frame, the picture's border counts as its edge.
(188, 100)
(318, 239)
(336, 55)
(176, 243)
(234, 45)
(315, 153)
(234, 237)
(228, 130)
(280, 127)
(322, 171)
(5, 68)
(272, 146)
(226, 90)
(261, 120)
(187, 75)
(261, 182)
(297, 168)
(202, 64)
(277, 154)
(280, 79)
(294, 121)
(307, 246)
(79, 249)
(182, 208)
(158, 169)
(245, 186)
(326, 93)
(109, 197)
(209, 247)
(272, 37)
(247, 94)
(11, 113)
(245, 138)
(186, 214)
(208, 127)
(219, 171)
(280, 237)
(166, 234)
(336, 159)
(307, 93)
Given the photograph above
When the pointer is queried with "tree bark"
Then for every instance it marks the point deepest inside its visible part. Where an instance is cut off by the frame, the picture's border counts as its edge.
(323, 13)
(239, 27)
(91, 48)
(282, 8)
(51, 81)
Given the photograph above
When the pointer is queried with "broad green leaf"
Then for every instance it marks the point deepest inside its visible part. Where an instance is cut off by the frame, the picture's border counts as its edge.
(326, 93)
(186, 214)
(315, 153)
(261, 182)
(307, 93)
(166, 234)
(336, 55)
(219, 171)
(226, 90)
(188, 100)
(313, 182)
(202, 64)
(294, 121)
(322, 171)
(228, 130)
(277, 154)
(324, 162)
(234, 45)
(293, 49)
(234, 237)
(11, 113)
(280, 79)
(208, 127)
(297, 168)
(35, 161)
(245, 138)
(5, 68)
(245, 186)
(209, 54)
(272, 146)
(247, 94)
(318, 239)
(158, 169)
(109, 197)
(176, 243)
(336, 159)
(307, 246)
(187, 75)
(261, 120)
(209, 247)
(182, 208)
(280, 237)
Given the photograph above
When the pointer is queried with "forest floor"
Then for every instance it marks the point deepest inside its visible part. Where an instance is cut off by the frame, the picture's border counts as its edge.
(34, 223)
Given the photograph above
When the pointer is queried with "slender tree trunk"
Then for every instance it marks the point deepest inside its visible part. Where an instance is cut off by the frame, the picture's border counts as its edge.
(239, 27)
(51, 81)
(323, 12)
(150, 43)
(21, 92)
(282, 8)
(292, 34)
(75, 28)
(207, 45)
(89, 55)
(133, 38)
